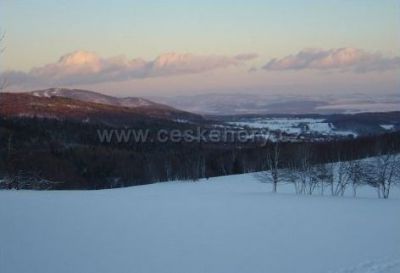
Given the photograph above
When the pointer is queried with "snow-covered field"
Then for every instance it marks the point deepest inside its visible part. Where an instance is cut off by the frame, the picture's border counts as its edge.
(293, 125)
(230, 224)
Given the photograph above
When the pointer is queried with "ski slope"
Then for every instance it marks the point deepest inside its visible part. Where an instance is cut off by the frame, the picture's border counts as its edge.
(230, 224)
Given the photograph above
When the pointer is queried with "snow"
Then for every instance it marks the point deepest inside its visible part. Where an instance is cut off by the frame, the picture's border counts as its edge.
(48, 93)
(378, 266)
(181, 120)
(293, 125)
(387, 126)
(323, 127)
(142, 102)
(229, 224)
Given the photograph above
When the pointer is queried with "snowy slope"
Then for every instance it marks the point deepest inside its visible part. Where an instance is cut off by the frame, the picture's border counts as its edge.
(90, 96)
(222, 225)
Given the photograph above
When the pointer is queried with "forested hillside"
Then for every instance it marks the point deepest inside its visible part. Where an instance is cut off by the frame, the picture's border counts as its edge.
(61, 154)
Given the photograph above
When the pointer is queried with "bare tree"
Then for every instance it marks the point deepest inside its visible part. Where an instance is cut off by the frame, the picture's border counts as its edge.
(322, 175)
(272, 163)
(305, 170)
(330, 167)
(357, 173)
(385, 172)
(291, 175)
(342, 177)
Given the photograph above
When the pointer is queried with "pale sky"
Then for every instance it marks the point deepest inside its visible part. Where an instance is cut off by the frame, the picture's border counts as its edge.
(119, 47)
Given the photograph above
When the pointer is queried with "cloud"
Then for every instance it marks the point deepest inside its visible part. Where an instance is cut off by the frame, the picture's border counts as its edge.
(82, 67)
(246, 57)
(343, 59)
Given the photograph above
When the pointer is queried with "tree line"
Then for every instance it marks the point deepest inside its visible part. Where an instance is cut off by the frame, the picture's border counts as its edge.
(60, 154)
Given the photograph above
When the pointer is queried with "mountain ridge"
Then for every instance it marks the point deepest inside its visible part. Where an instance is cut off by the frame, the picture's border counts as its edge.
(95, 97)
(88, 106)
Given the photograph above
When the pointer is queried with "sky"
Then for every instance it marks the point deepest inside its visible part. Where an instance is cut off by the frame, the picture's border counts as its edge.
(175, 47)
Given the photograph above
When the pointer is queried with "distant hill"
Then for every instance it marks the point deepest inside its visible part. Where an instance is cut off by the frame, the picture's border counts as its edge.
(264, 103)
(87, 106)
(90, 96)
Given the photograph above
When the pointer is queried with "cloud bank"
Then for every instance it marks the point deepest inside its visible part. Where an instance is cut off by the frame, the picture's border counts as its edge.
(82, 67)
(342, 59)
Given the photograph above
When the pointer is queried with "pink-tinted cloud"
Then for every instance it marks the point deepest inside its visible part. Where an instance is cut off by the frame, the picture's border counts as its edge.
(343, 59)
(82, 67)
